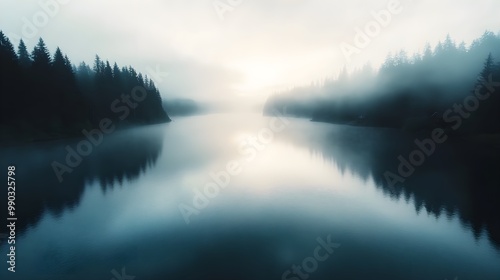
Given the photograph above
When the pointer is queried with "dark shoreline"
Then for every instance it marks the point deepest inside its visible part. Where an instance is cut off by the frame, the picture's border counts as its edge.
(486, 144)
(17, 141)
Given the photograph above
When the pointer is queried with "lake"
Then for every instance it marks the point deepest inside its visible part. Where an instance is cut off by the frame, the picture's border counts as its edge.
(242, 196)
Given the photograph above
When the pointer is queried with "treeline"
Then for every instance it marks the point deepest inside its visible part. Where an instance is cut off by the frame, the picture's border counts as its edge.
(45, 96)
(409, 92)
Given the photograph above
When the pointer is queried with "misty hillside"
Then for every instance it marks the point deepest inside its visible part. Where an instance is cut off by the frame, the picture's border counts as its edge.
(413, 93)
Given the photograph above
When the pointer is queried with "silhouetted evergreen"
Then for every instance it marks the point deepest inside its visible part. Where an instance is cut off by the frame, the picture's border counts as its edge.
(45, 97)
(409, 93)
(24, 57)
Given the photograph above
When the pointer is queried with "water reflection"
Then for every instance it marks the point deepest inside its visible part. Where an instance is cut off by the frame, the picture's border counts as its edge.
(455, 181)
(121, 157)
(266, 220)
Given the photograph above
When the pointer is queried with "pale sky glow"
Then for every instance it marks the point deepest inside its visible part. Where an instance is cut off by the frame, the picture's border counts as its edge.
(260, 47)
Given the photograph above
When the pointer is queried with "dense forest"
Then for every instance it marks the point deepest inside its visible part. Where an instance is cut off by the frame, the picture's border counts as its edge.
(429, 89)
(45, 96)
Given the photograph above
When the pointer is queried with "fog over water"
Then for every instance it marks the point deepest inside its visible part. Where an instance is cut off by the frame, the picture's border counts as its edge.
(121, 206)
(249, 139)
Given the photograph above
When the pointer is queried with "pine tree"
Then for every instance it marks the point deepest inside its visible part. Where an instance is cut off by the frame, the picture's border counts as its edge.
(24, 57)
(116, 72)
(8, 55)
(97, 65)
(488, 67)
(59, 63)
(8, 77)
(51, 94)
(449, 44)
(41, 56)
(70, 68)
(108, 72)
(427, 52)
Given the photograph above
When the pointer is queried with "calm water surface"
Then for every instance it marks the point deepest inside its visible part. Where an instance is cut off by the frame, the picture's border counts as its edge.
(119, 209)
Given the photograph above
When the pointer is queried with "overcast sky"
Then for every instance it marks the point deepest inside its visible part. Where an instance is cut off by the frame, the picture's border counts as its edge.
(246, 51)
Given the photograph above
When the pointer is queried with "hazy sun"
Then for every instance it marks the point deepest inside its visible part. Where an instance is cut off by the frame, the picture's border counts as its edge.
(258, 75)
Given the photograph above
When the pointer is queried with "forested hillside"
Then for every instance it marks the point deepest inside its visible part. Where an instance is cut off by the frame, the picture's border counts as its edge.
(45, 96)
(435, 87)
